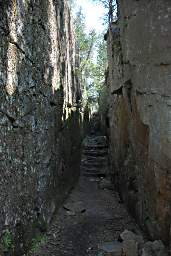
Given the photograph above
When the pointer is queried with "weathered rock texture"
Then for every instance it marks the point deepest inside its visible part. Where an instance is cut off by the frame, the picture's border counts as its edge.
(139, 52)
(39, 117)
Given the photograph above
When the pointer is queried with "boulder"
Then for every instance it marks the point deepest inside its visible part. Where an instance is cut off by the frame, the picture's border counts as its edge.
(155, 248)
(131, 243)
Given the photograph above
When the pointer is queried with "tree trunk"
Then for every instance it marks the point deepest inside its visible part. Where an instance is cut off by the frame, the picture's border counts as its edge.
(110, 11)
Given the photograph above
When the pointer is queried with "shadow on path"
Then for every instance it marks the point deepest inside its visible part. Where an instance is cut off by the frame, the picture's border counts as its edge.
(90, 216)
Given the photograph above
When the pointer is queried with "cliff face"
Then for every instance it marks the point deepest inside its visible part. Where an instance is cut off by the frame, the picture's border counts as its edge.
(39, 115)
(139, 53)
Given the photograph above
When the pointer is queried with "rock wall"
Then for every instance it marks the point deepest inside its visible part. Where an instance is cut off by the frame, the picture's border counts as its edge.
(39, 113)
(139, 53)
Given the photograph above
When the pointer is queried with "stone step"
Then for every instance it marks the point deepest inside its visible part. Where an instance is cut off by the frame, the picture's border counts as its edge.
(85, 161)
(95, 158)
(94, 169)
(89, 169)
(94, 164)
(94, 174)
(95, 140)
(95, 147)
(95, 152)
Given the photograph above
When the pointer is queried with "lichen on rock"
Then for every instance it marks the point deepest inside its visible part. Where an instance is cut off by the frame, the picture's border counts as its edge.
(139, 114)
(40, 152)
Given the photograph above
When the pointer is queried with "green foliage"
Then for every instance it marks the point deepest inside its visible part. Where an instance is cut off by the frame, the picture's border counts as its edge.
(71, 4)
(37, 242)
(101, 64)
(111, 9)
(93, 59)
(85, 41)
(7, 243)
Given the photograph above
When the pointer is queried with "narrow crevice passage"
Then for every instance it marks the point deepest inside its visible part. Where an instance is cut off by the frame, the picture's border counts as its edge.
(93, 214)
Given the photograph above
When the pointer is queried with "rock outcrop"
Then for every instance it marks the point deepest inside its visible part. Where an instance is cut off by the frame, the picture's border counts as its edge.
(39, 114)
(139, 53)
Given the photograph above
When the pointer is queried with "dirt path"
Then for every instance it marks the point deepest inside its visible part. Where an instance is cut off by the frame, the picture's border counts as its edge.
(90, 217)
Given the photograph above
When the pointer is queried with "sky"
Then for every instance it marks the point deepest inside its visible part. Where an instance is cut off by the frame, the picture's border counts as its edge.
(94, 13)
